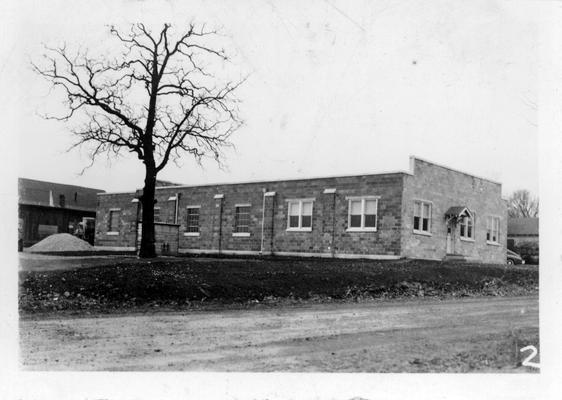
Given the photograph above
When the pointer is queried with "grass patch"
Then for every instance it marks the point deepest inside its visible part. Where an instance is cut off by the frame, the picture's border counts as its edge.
(188, 283)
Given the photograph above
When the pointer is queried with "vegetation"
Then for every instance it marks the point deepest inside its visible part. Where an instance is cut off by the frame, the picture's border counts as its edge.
(156, 98)
(522, 205)
(187, 283)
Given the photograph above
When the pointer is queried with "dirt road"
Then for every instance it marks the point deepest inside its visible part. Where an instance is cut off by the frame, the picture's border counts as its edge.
(482, 334)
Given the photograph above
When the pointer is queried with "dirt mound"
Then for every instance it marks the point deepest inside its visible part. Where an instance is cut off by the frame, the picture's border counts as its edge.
(61, 242)
(139, 285)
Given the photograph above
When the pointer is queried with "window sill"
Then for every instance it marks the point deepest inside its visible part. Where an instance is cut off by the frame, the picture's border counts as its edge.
(241, 234)
(492, 243)
(112, 233)
(299, 229)
(423, 233)
(466, 239)
(191, 234)
(361, 230)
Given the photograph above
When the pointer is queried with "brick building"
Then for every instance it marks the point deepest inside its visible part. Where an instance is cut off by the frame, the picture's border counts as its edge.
(430, 212)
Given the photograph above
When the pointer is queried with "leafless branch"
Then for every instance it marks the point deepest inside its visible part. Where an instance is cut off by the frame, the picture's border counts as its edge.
(182, 112)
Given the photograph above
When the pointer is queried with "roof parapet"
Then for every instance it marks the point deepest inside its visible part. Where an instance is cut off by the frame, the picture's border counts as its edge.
(413, 163)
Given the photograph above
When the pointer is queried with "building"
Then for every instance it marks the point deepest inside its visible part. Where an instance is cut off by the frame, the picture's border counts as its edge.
(46, 208)
(523, 238)
(520, 230)
(430, 212)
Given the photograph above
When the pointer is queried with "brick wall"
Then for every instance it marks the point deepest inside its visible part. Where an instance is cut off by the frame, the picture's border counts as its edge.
(328, 235)
(329, 219)
(125, 233)
(444, 188)
(394, 236)
(167, 238)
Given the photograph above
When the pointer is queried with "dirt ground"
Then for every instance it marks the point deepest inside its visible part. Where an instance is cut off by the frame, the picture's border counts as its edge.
(480, 335)
(42, 262)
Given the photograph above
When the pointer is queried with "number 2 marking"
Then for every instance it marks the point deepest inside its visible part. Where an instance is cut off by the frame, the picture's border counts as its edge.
(527, 362)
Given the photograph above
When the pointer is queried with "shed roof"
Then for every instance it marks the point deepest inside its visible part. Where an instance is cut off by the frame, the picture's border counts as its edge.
(523, 226)
(42, 193)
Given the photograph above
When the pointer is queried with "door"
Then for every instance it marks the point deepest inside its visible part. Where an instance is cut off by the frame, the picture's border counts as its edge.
(451, 226)
(89, 225)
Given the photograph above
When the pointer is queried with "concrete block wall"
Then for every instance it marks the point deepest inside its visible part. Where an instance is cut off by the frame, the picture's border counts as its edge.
(444, 188)
(167, 238)
(329, 235)
(217, 204)
(330, 216)
(126, 231)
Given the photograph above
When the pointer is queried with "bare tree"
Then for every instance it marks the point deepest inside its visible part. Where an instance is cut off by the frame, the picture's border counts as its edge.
(156, 98)
(522, 204)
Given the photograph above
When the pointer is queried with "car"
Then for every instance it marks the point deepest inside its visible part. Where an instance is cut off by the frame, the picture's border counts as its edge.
(513, 258)
(531, 259)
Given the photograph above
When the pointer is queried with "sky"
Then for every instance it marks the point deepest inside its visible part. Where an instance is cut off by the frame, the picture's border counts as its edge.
(333, 88)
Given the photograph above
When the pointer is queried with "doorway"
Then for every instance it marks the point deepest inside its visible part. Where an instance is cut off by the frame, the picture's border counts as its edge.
(450, 236)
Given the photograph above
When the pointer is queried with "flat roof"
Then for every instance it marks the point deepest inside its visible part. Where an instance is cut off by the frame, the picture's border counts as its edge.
(411, 173)
(266, 181)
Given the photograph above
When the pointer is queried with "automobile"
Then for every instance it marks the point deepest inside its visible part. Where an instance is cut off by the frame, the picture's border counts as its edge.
(514, 258)
(531, 259)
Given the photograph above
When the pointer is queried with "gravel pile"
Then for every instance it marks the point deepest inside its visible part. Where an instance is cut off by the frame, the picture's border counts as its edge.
(61, 242)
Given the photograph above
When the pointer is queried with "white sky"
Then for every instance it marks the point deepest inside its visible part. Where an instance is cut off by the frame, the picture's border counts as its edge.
(334, 89)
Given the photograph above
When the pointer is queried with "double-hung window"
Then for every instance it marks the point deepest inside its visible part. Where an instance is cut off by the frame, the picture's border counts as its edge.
(466, 228)
(300, 215)
(362, 213)
(192, 221)
(242, 220)
(493, 230)
(422, 217)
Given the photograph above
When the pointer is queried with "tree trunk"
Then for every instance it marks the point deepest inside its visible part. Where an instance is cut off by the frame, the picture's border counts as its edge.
(148, 238)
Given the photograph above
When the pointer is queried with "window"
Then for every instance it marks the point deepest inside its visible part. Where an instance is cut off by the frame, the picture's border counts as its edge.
(466, 227)
(242, 220)
(493, 230)
(113, 221)
(157, 214)
(362, 213)
(422, 216)
(192, 220)
(300, 215)
(172, 205)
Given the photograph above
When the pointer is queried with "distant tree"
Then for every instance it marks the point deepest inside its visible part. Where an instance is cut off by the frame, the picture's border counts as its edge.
(157, 98)
(521, 204)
